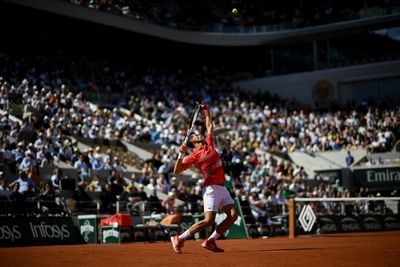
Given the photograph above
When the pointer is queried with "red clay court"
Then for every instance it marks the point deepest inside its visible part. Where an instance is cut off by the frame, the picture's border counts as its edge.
(355, 249)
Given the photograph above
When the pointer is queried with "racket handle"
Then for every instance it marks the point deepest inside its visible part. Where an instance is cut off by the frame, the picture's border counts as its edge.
(185, 141)
(180, 155)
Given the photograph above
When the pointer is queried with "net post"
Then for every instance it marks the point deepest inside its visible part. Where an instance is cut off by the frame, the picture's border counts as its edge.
(292, 218)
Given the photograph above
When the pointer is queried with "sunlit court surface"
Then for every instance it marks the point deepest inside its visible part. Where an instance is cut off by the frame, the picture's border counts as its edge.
(355, 249)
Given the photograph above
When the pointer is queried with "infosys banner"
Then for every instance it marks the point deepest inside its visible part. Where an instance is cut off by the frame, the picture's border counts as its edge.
(344, 224)
(38, 231)
(378, 177)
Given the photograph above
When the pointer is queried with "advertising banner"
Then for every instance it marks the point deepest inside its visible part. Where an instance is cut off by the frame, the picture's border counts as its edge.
(111, 234)
(329, 176)
(38, 231)
(345, 224)
(378, 177)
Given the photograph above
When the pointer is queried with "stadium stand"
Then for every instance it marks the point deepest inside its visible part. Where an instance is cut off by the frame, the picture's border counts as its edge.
(271, 15)
(113, 125)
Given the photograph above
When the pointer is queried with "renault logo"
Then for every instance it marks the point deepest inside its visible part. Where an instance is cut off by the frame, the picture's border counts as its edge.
(307, 218)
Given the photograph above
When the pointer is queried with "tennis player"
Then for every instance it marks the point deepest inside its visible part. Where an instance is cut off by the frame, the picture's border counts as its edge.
(215, 195)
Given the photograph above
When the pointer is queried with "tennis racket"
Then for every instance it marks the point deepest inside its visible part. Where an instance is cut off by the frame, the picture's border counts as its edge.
(193, 119)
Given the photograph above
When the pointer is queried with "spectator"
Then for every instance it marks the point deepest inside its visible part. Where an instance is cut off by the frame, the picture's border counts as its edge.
(155, 203)
(117, 188)
(83, 169)
(34, 175)
(7, 155)
(117, 165)
(56, 178)
(27, 132)
(152, 185)
(47, 194)
(30, 194)
(195, 202)
(137, 198)
(40, 141)
(256, 205)
(95, 185)
(24, 183)
(108, 199)
(173, 184)
(349, 159)
(16, 194)
(19, 152)
(169, 203)
(162, 183)
(114, 176)
(97, 163)
(4, 189)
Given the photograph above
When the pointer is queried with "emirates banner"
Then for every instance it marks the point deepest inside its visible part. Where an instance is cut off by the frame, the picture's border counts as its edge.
(377, 177)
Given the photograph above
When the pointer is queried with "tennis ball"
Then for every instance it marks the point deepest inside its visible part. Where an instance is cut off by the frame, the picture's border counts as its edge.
(234, 11)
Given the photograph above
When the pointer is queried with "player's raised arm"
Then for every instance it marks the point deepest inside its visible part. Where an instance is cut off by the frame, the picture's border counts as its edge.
(209, 124)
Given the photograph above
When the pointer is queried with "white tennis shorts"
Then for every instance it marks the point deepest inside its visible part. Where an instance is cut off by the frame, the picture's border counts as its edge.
(216, 197)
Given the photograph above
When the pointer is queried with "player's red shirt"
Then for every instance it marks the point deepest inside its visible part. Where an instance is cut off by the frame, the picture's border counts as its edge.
(207, 160)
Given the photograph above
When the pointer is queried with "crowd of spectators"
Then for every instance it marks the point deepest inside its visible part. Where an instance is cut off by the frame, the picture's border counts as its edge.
(55, 109)
(204, 15)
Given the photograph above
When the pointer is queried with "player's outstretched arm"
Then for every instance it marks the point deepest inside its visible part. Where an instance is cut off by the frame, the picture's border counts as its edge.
(209, 124)
(178, 164)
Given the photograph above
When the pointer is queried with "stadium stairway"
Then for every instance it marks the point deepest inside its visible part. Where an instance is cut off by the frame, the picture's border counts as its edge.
(324, 160)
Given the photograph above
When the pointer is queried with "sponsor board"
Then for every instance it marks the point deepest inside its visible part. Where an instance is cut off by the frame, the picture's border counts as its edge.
(44, 230)
(38, 231)
(10, 233)
(86, 230)
(111, 234)
(349, 224)
(327, 225)
(343, 224)
(307, 218)
(371, 224)
(391, 222)
(379, 177)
